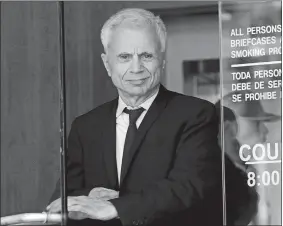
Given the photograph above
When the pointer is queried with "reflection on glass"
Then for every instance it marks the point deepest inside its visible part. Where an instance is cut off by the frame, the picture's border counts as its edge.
(251, 66)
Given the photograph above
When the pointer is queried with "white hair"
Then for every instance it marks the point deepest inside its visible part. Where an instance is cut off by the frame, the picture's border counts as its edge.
(138, 17)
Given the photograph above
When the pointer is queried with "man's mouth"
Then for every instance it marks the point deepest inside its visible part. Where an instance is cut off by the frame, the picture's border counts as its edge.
(137, 81)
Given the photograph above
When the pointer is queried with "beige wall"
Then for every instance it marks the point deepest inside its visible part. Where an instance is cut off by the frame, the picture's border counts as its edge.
(189, 38)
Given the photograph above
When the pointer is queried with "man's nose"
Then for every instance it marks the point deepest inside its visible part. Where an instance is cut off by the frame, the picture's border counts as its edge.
(264, 128)
(136, 66)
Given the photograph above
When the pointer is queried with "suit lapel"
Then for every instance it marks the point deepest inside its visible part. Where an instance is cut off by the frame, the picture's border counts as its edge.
(153, 112)
(109, 144)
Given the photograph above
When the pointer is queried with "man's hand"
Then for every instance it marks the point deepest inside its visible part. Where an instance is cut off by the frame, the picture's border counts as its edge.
(83, 207)
(103, 193)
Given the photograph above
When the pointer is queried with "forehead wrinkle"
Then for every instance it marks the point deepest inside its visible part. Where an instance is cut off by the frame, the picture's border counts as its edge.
(130, 26)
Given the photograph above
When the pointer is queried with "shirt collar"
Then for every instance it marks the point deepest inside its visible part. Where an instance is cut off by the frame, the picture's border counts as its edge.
(146, 104)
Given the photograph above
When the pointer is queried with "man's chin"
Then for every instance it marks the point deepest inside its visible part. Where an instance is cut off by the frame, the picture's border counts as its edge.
(137, 93)
(137, 90)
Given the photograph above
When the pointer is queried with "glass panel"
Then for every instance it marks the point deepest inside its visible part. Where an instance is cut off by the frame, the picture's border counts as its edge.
(30, 119)
(251, 96)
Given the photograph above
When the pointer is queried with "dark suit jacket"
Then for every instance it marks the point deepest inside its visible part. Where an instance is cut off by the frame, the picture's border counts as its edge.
(174, 173)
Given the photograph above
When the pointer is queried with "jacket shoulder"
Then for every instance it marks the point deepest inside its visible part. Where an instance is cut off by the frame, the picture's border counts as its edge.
(97, 114)
(190, 104)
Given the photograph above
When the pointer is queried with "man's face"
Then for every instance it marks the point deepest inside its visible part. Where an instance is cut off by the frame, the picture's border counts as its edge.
(252, 132)
(133, 60)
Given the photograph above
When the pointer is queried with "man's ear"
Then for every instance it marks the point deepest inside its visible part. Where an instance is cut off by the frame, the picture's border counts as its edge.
(105, 62)
(227, 126)
(234, 127)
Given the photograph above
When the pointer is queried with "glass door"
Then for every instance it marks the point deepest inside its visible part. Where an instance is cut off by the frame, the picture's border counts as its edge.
(251, 107)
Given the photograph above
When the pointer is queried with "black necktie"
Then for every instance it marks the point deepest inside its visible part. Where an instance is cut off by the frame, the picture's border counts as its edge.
(131, 133)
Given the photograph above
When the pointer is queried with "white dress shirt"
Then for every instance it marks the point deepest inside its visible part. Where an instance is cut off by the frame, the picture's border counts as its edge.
(122, 124)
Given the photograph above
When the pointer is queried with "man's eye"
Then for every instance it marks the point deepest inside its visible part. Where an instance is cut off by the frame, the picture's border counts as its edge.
(147, 56)
(124, 57)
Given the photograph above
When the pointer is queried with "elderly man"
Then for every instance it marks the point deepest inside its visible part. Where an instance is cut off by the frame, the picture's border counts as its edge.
(150, 156)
